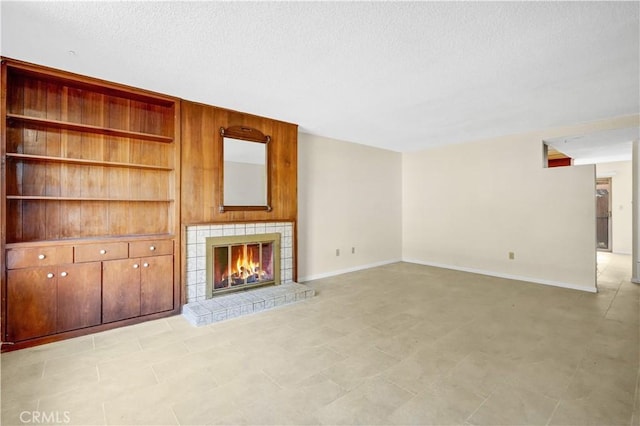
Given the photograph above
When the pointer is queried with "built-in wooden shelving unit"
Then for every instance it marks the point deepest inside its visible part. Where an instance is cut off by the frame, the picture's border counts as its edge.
(85, 160)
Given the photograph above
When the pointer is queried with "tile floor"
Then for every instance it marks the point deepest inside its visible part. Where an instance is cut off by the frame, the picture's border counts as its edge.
(398, 344)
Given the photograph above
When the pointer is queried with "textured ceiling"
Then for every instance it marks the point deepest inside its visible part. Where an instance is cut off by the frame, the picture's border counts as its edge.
(398, 75)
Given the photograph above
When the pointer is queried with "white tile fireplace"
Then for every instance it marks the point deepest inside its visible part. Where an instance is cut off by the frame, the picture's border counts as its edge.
(196, 251)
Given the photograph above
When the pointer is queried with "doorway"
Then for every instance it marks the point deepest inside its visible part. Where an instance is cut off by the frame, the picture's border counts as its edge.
(603, 214)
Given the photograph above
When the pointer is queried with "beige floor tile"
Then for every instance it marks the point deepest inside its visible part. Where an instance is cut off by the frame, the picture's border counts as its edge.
(511, 405)
(208, 408)
(370, 403)
(367, 363)
(401, 344)
(635, 419)
(277, 408)
(150, 405)
(421, 369)
(549, 377)
(209, 362)
(90, 358)
(481, 372)
(221, 404)
(596, 374)
(598, 409)
(267, 415)
(17, 359)
(12, 410)
(356, 341)
(136, 331)
(313, 338)
(626, 350)
(513, 345)
(398, 344)
(396, 323)
(227, 367)
(11, 374)
(435, 326)
(205, 341)
(27, 390)
(462, 341)
(290, 369)
(74, 410)
(84, 403)
(164, 337)
(125, 379)
(312, 393)
(440, 404)
(140, 359)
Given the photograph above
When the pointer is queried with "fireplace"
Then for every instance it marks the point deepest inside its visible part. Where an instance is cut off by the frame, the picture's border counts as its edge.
(241, 262)
(202, 239)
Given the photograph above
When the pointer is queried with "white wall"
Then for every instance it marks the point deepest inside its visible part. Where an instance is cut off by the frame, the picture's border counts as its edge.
(621, 206)
(466, 206)
(463, 206)
(349, 195)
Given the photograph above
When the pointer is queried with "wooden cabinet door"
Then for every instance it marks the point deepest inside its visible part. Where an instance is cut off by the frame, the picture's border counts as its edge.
(31, 303)
(79, 296)
(120, 289)
(156, 284)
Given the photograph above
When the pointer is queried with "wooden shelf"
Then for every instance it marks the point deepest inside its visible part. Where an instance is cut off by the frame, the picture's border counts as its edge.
(48, 198)
(88, 128)
(48, 159)
(36, 72)
(104, 239)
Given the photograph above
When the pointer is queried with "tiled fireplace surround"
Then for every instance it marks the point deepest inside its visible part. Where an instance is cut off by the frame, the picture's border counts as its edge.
(199, 310)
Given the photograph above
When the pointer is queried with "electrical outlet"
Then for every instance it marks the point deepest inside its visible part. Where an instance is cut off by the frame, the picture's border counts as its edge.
(337, 252)
(512, 255)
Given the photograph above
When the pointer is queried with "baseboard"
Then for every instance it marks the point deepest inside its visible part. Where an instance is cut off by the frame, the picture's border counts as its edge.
(347, 270)
(502, 275)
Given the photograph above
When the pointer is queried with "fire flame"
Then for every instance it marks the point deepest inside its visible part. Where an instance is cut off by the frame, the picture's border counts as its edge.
(246, 266)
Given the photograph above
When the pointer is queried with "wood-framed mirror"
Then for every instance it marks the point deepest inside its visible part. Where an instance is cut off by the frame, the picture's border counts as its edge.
(245, 172)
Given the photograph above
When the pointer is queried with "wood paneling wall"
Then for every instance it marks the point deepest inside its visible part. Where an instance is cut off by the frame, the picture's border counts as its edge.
(201, 148)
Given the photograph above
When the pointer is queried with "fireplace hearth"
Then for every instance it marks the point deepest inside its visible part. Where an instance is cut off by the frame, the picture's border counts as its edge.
(202, 309)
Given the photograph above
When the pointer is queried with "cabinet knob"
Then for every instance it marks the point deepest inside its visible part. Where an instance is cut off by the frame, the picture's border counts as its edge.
(41, 256)
(152, 248)
(103, 251)
(145, 264)
(50, 275)
(136, 266)
(63, 274)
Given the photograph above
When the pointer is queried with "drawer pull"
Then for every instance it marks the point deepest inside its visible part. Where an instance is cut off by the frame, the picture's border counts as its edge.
(103, 251)
(145, 264)
(136, 266)
(50, 275)
(152, 248)
(63, 274)
(41, 256)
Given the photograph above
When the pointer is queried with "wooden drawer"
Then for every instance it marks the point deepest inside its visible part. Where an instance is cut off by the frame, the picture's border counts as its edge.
(38, 256)
(100, 251)
(150, 248)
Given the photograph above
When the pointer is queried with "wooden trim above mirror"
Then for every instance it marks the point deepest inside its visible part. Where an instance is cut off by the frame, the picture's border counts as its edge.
(244, 133)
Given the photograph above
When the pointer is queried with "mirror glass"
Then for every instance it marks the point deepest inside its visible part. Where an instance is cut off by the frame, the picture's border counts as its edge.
(245, 173)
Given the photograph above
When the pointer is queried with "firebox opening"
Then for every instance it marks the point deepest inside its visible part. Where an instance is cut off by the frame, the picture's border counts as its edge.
(240, 262)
